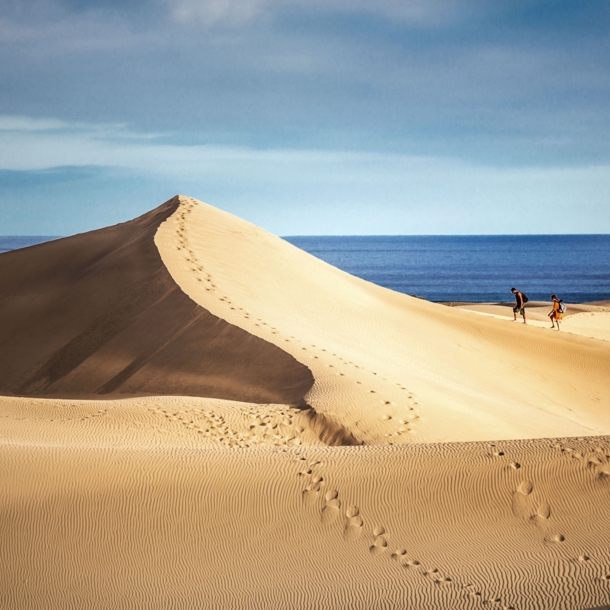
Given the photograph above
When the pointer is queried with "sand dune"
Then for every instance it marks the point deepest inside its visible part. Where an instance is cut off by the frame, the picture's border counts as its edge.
(99, 315)
(387, 367)
(422, 526)
(179, 395)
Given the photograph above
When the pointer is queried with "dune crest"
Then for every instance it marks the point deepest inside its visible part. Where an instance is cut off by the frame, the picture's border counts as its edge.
(388, 368)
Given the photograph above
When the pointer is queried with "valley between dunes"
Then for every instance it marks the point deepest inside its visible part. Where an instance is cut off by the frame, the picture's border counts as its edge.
(196, 414)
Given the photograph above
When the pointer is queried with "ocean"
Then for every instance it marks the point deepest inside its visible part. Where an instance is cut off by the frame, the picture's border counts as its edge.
(461, 268)
(13, 242)
(479, 268)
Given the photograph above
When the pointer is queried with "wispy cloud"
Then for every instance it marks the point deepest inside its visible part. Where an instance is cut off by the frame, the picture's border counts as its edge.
(415, 13)
(303, 191)
(212, 12)
(257, 102)
(23, 123)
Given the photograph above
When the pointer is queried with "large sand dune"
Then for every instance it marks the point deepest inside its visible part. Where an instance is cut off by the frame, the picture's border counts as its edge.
(173, 388)
(388, 367)
(99, 315)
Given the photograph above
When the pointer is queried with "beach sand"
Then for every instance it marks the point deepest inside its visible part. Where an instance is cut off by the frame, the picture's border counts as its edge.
(197, 414)
(586, 319)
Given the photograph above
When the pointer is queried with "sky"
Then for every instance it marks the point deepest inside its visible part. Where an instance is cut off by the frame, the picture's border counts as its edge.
(308, 117)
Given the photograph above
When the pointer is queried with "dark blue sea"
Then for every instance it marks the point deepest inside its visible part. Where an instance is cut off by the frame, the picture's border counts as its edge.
(12, 242)
(474, 268)
(461, 268)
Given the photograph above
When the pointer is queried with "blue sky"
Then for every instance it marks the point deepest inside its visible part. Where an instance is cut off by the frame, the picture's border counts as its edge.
(308, 116)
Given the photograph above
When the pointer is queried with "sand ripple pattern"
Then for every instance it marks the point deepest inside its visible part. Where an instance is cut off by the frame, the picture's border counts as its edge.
(334, 502)
(160, 421)
(305, 527)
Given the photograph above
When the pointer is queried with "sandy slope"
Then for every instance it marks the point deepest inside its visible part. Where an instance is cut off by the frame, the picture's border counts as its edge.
(387, 367)
(421, 526)
(587, 320)
(224, 491)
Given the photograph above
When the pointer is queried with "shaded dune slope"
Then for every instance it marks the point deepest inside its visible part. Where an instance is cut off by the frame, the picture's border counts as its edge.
(98, 315)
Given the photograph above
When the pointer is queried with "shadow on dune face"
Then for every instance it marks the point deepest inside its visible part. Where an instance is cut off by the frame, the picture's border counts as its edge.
(98, 314)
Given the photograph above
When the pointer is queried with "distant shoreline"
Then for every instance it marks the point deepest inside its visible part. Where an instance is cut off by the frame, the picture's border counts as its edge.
(530, 304)
(460, 270)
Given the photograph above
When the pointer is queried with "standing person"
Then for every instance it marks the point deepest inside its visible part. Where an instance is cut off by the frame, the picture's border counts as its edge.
(520, 307)
(556, 313)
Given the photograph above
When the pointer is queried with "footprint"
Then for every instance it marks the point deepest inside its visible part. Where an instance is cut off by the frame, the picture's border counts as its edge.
(603, 474)
(593, 463)
(352, 511)
(353, 527)
(310, 494)
(541, 521)
(331, 510)
(522, 501)
(544, 511)
(476, 594)
(380, 544)
(434, 575)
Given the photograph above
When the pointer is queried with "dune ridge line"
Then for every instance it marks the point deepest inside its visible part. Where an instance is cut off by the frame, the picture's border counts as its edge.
(388, 368)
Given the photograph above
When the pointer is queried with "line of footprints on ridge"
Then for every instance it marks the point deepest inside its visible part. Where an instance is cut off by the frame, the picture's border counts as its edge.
(598, 463)
(405, 424)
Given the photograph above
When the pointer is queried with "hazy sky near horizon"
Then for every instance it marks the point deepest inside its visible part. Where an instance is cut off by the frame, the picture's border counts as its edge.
(308, 116)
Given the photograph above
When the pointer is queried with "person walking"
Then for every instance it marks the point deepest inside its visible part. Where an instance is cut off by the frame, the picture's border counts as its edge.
(556, 313)
(520, 306)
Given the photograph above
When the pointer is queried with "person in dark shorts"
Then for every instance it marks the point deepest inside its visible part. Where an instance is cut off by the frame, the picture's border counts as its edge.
(520, 306)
